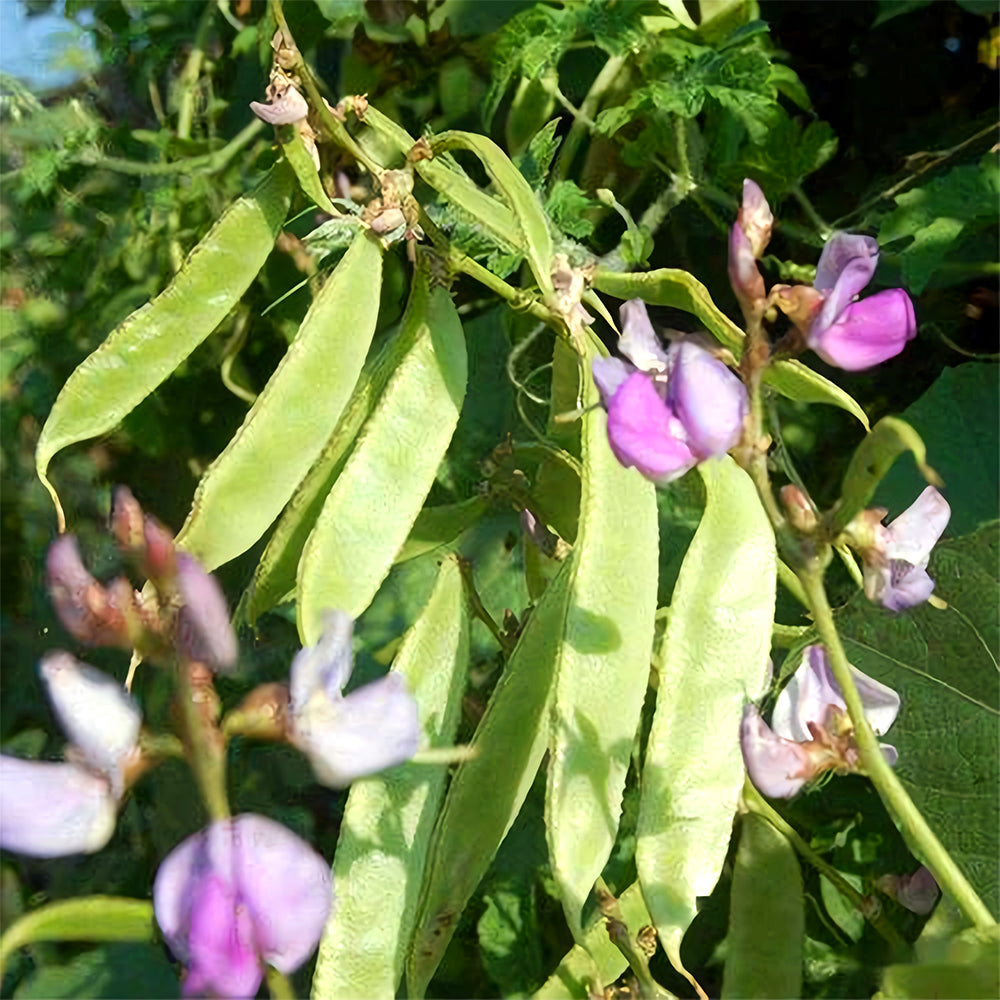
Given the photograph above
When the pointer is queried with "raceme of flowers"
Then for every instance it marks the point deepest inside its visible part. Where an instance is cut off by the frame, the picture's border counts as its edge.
(668, 409)
(810, 731)
(243, 892)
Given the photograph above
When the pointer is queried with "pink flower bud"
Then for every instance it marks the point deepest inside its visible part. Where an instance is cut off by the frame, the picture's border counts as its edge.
(204, 634)
(89, 611)
(755, 218)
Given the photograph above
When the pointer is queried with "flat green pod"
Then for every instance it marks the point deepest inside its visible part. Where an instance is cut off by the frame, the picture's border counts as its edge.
(713, 658)
(680, 289)
(603, 669)
(389, 818)
(487, 792)
(245, 488)
(766, 916)
(274, 577)
(376, 498)
(146, 347)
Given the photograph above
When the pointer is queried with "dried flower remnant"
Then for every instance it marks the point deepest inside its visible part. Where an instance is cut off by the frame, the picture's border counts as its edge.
(241, 893)
(810, 730)
(668, 409)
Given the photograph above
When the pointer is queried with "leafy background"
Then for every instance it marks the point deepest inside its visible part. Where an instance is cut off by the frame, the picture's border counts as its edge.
(874, 116)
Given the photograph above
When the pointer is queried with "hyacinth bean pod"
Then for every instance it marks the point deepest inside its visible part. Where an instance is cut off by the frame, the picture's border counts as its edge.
(274, 578)
(388, 819)
(509, 744)
(378, 495)
(766, 916)
(606, 646)
(244, 489)
(301, 162)
(714, 656)
(149, 344)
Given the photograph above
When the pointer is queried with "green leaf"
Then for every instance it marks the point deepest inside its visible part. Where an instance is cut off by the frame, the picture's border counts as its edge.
(143, 350)
(958, 419)
(110, 971)
(943, 665)
(509, 744)
(535, 162)
(284, 431)
(86, 918)
(595, 957)
(566, 205)
(888, 439)
(937, 214)
(714, 658)
(535, 238)
(378, 495)
(606, 648)
(766, 916)
(274, 578)
(388, 820)
(681, 290)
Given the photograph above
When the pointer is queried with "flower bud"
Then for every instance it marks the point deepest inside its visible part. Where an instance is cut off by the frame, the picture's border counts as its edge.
(89, 611)
(204, 633)
(755, 218)
(286, 109)
(127, 520)
(798, 509)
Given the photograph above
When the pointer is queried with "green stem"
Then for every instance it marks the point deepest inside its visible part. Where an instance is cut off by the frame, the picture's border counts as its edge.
(209, 162)
(915, 828)
(786, 636)
(188, 80)
(583, 120)
(822, 227)
(336, 130)
(755, 802)
(791, 583)
(205, 746)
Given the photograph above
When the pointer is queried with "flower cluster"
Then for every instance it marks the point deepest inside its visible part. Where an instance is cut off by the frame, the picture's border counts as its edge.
(244, 891)
(810, 731)
(844, 332)
(668, 409)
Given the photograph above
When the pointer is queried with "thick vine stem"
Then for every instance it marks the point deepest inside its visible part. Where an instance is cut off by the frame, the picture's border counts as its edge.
(918, 834)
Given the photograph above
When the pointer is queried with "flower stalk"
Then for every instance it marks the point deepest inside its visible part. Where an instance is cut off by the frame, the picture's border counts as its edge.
(917, 832)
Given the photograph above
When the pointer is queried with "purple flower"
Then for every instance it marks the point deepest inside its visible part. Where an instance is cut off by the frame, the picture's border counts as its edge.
(845, 333)
(238, 894)
(50, 809)
(204, 633)
(810, 729)
(668, 409)
(918, 892)
(748, 239)
(370, 729)
(895, 566)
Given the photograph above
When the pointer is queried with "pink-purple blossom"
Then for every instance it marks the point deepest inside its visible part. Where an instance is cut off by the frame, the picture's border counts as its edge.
(895, 566)
(50, 809)
(241, 893)
(810, 729)
(667, 409)
(347, 736)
